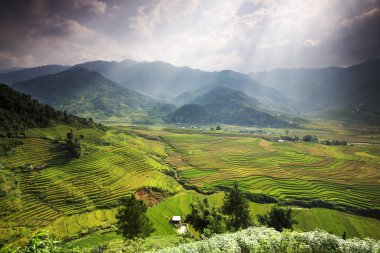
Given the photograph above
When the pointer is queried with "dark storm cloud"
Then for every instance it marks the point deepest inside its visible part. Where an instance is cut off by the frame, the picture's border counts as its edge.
(27, 24)
(33, 17)
(360, 36)
(244, 35)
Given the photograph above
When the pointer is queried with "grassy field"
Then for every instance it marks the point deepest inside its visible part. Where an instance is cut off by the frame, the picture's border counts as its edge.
(165, 235)
(75, 197)
(308, 219)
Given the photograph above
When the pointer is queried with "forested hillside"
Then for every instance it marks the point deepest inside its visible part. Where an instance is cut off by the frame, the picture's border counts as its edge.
(19, 112)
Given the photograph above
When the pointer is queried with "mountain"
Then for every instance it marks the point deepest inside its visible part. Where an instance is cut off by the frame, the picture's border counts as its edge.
(86, 93)
(29, 73)
(165, 81)
(3, 71)
(187, 97)
(328, 88)
(112, 70)
(229, 106)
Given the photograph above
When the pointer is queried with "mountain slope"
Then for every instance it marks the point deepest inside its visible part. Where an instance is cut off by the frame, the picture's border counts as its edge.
(112, 70)
(225, 105)
(328, 88)
(165, 81)
(29, 73)
(19, 112)
(86, 93)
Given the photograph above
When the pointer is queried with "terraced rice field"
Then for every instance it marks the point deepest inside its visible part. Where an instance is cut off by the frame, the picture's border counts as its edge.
(37, 151)
(70, 196)
(70, 189)
(348, 175)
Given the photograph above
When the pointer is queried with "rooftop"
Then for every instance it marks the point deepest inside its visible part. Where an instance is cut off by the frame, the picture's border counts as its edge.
(176, 218)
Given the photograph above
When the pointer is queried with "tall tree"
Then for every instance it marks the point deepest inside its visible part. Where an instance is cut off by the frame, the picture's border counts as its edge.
(236, 207)
(205, 219)
(132, 219)
(278, 218)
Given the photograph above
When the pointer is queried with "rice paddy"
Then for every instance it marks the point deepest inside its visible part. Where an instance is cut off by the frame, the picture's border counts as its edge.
(347, 175)
(73, 197)
(65, 187)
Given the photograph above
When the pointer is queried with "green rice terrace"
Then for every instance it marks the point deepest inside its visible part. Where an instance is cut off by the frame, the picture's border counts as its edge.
(76, 199)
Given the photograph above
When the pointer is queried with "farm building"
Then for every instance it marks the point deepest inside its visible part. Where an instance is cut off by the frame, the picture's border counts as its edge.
(176, 219)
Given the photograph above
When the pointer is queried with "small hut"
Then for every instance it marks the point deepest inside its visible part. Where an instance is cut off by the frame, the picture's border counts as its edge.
(176, 220)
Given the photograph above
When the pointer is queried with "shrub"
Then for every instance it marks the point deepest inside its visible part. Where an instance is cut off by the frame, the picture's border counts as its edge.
(262, 239)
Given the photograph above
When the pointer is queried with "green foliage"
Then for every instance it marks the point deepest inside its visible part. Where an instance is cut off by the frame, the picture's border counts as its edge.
(278, 218)
(42, 242)
(310, 138)
(218, 127)
(290, 138)
(19, 112)
(261, 239)
(132, 219)
(9, 190)
(206, 219)
(8, 181)
(237, 208)
(73, 144)
(344, 235)
(334, 142)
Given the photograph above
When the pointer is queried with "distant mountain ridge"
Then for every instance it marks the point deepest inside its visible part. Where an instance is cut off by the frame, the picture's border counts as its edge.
(328, 88)
(14, 76)
(352, 89)
(86, 93)
(112, 70)
(164, 81)
(226, 105)
(155, 78)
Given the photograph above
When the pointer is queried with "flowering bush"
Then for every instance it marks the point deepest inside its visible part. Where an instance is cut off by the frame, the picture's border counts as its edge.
(262, 239)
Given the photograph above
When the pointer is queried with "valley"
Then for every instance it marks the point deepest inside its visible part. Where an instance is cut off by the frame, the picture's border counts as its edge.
(66, 164)
(77, 198)
(187, 126)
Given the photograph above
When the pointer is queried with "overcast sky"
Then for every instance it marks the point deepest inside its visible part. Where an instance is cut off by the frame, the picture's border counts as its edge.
(245, 36)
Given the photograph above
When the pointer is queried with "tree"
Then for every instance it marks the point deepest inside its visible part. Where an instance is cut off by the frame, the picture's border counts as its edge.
(344, 236)
(236, 207)
(218, 127)
(73, 144)
(132, 219)
(310, 138)
(41, 242)
(278, 218)
(205, 219)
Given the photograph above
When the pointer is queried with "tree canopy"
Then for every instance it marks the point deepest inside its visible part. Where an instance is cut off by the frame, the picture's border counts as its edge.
(237, 208)
(205, 219)
(132, 219)
(278, 218)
